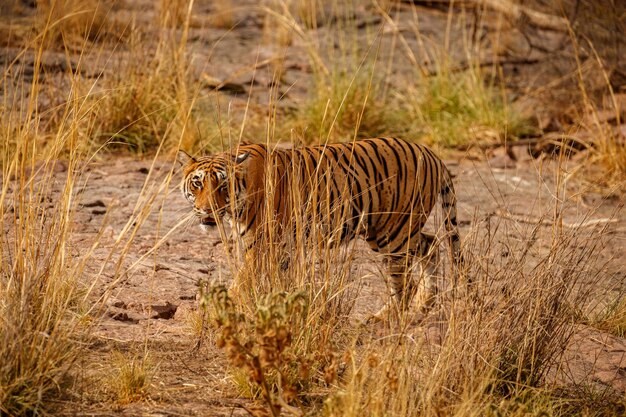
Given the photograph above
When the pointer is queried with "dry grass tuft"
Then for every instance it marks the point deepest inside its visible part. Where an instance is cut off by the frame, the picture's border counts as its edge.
(613, 318)
(494, 346)
(150, 99)
(130, 381)
(67, 22)
(173, 13)
(343, 105)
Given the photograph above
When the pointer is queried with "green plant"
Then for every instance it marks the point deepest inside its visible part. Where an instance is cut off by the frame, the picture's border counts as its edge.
(458, 109)
(261, 346)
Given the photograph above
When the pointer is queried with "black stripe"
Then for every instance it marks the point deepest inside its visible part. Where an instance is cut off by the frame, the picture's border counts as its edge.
(426, 173)
(367, 177)
(397, 196)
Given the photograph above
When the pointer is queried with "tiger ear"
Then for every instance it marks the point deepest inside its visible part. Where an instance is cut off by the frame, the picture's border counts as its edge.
(184, 158)
(241, 157)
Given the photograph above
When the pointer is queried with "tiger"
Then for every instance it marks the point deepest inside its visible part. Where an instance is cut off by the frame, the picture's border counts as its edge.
(380, 189)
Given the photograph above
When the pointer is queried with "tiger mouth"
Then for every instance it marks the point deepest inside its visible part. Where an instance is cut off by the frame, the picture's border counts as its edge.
(208, 221)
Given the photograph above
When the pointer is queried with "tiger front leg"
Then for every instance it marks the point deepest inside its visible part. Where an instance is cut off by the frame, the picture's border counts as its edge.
(402, 285)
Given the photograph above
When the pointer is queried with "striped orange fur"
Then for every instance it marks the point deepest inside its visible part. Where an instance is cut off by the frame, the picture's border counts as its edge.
(382, 190)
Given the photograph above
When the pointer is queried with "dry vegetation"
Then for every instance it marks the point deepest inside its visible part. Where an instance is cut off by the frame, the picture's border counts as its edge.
(89, 80)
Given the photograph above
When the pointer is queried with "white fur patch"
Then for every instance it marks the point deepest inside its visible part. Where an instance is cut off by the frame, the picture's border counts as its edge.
(198, 175)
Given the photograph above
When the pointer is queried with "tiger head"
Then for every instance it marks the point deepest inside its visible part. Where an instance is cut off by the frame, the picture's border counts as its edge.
(212, 185)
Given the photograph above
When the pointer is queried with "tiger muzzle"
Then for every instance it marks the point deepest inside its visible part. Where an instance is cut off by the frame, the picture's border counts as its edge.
(208, 221)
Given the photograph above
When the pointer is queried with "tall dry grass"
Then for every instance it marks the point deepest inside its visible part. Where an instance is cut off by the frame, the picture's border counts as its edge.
(41, 297)
(490, 348)
(47, 306)
(493, 346)
(606, 163)
(69, 23)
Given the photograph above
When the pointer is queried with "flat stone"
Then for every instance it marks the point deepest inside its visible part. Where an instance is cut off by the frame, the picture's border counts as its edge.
(123, 316)
(163, 311)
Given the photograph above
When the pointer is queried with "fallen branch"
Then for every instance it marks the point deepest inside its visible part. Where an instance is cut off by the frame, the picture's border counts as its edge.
(493, 145)
(517, 13)
(464, 66)
(505, 214)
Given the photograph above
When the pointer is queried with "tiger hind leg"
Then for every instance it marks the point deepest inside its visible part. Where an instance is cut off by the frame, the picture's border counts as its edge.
(402, 284)
(429, 260)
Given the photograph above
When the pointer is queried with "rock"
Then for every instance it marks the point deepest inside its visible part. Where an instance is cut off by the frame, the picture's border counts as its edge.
(184, 311)
(123, 316)
(187, 297)
(96, 203)
(519, 153)
(602, 116)
(222, 85)
(53, 166)
(553, 142)
(115, 302)
(165, 311)
(501, 160)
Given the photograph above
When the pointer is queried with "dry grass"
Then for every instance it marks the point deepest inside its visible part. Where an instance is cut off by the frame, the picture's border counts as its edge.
(343, 105)
(71, 22)
(45, 315)
(41, 297)
(346, 99)
(146, 103)
(493, 350)
(607, 146)
(130, 380)
(613, 318)
(490, 349)
(173, 13)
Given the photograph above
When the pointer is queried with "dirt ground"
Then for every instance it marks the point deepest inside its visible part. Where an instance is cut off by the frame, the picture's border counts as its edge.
(153, 306)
